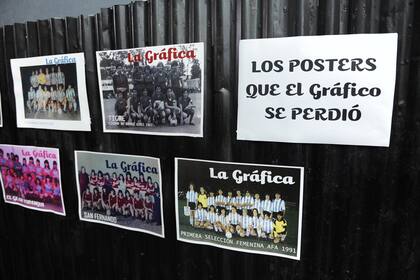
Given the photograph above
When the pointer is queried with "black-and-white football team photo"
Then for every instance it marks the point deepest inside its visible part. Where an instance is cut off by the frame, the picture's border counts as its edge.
(153, 90)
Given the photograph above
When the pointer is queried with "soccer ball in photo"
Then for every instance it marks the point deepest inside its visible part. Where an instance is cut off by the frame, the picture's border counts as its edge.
(228, 235)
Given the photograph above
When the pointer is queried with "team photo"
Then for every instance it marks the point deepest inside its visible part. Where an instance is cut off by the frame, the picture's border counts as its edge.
(30, 177)
(153, 90)
(120, 190)
(50, 92)
(243, 207)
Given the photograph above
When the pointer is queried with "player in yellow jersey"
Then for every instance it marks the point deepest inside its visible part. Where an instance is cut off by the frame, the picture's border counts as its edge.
(279, 228)
(42, 79)
(202, 198)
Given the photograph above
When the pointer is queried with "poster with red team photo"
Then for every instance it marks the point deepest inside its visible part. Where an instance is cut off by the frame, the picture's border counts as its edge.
(31, 178)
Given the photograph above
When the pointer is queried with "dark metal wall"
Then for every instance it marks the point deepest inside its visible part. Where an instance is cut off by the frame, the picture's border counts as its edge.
(361, 204)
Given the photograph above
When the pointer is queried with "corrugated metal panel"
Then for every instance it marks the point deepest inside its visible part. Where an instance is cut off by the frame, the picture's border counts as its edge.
(361, 203)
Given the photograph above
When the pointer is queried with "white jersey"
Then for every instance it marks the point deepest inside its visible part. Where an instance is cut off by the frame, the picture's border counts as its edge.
(211, 201)
(31, 94)
(234, 218)
(53, 95)
(61, 95)
(238, 201)
(227, 201)
(39, 94)
(53, 78)
(278, 205)
(212, 217)
(47, 80)
(34, 81)
(267, 225)
(222, 219)
(220, 200)
(267, 205)
(256, 222)
(70, 94)
(248, 201)
(258, 205)
(61, 78)
(192, 196)
(201, 215)
(246, 221)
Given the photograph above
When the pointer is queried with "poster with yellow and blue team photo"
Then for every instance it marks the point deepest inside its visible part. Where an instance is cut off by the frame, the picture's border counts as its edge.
(244, 207)
(50, 92)
(124, 191)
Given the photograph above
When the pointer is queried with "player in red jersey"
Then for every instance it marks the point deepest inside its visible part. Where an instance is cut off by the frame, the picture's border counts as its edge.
(148, 209)
(104, 199)
(120, 202)
(115, 181)
(129, 183)
(138, 206)
(47, 170)
(100, 181)
(112, 201)
(93, 179)
(96, 199)
(128, 204)
(87, 199)
(55, 174)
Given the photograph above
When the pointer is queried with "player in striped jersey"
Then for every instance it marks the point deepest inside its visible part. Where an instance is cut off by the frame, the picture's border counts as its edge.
(228, 202)
(238, 201)
(211, 200)
(221, 223)
(200, 216)
(278, 205)
(192, 197)
(246, 224)
(248, 202)
(258, 203)
(233, 220)
(267, 226)
(256, 223)
(211, 218)
(266, 204)
(220, 201)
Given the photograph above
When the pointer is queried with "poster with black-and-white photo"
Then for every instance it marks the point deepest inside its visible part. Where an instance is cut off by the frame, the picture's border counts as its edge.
(254, 208)
(333, 89)
(50, 92)
(124, 191)
(153, 90)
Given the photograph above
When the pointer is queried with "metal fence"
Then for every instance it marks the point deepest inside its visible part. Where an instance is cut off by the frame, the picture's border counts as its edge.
(361, 204)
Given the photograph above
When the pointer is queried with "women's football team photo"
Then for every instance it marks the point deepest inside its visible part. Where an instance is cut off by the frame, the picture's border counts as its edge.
(121, 195)
(237, 214)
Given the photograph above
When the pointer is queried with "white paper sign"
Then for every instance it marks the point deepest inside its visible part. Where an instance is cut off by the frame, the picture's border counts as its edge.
(335, 89)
